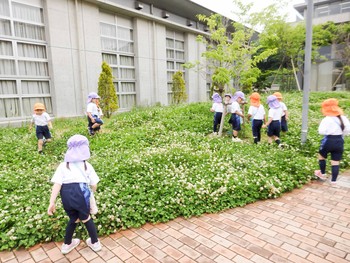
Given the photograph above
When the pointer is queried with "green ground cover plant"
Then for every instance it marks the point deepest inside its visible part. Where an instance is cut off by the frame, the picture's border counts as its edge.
(155, 164)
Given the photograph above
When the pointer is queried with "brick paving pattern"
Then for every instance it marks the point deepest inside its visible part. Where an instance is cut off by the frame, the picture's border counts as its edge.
(311, 224)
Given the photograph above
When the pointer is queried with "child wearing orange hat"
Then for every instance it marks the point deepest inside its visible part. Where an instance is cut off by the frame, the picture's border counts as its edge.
(333, 127)
(42, 121)
(284, 119)
(256, 113)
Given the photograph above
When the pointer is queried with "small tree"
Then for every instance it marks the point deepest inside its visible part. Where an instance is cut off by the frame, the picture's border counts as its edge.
(106, 90)
(179, 88)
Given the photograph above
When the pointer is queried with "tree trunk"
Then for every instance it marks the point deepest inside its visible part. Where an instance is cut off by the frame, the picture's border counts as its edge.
(222, 120)
(295, 74)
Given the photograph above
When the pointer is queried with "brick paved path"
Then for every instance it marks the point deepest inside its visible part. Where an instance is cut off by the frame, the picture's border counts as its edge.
(311, 224)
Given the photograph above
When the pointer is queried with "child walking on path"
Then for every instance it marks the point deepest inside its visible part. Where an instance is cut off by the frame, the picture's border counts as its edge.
(236, 115)
(257, 113)
(42, 121)
(72, 179)
(284, 119)
(93, 113)
(217, 108)
(333, 127)
(274, 120)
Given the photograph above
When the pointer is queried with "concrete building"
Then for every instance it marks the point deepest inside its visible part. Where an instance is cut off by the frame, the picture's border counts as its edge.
(51, 51)
(327, 74)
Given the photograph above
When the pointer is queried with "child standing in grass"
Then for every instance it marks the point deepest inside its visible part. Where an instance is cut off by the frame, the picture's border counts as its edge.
(284, 119)
(42, 121)
(93, 113)
(72, 179)
(257, 114)
(333, 127)
(236, 114)
(274, 120)
(217, 108)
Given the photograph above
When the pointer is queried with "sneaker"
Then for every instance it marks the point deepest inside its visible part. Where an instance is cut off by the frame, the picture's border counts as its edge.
(320, 175)
(40, 152)
(334, 184)
(236, 139)
(95, 246)
(68, 248)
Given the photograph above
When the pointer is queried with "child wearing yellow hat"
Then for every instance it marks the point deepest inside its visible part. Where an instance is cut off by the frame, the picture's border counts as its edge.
(333, 127)
(42, 121)
(257, 114)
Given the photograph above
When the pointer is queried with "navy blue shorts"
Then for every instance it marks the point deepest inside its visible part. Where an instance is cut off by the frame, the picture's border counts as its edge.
(235, 121)
(256, 128)
(274, 129)
(217, 120)
(333, 144)
(284, 125)
(97, 119)
(42, 132)
(76, 200)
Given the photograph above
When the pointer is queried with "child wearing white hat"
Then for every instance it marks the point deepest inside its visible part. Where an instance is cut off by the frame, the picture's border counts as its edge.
(72, 179)
(93, 113)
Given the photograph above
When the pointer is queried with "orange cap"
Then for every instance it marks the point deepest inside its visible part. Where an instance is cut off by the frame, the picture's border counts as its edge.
(278, 95)
(330, 108)
(39, 106)
(255, 99)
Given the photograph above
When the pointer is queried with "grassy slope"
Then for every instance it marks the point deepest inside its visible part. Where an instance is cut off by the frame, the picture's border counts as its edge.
(155, 164)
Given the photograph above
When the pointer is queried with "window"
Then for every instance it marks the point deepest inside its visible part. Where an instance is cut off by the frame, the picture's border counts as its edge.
(345, 7)
(24, 72)
(322, 11)
(175, 55)
(118, 51)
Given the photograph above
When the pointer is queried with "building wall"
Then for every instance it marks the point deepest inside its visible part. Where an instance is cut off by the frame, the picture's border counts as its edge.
(324, 73)
(74, 48)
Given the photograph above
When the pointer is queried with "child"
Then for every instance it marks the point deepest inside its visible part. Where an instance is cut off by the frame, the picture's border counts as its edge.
(217, 108)
(333, 127)
(94, 122)
(284, 119)
(274, 120)
(236, 115)
(42, 121)
(71, 180)
(257, 113)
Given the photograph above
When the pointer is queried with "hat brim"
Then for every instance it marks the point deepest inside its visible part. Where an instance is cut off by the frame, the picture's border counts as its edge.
(332, 111)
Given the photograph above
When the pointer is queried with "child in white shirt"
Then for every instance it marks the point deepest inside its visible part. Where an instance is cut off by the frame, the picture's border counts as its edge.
(217, 108)
(42, 121)
(72, 179)
(257, 114)
(274, 120)
(284, 119)
(333, 128)
(236, 114)
(93, 113)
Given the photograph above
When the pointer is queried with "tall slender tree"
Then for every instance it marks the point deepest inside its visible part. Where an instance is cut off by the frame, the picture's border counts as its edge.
(107, 91)
(179, 88)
